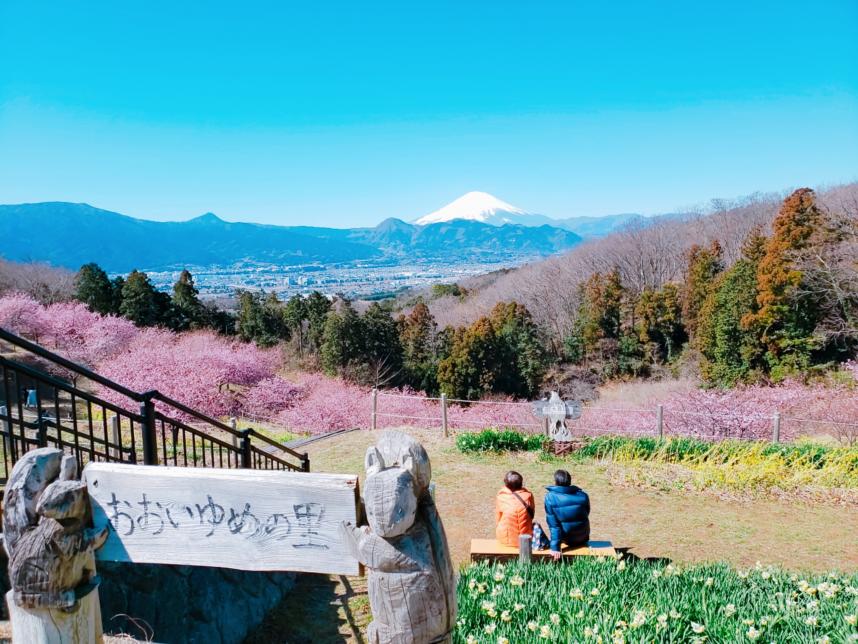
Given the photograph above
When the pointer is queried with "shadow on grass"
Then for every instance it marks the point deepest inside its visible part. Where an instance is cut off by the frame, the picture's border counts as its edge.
(320, 610)
(633, 558)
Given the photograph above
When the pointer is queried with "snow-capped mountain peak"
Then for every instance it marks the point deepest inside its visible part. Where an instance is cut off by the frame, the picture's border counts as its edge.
(482, 207)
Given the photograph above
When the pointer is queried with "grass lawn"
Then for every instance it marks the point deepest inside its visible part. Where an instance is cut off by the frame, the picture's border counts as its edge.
(684, 527)
(681, 526)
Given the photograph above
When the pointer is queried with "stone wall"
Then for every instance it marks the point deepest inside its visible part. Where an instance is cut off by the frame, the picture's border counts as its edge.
(187, 604)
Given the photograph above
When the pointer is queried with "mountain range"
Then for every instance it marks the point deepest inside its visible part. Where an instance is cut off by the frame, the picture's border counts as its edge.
(69, 235)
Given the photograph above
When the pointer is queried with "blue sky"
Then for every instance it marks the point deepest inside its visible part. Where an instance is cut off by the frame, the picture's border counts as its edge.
(346, 113)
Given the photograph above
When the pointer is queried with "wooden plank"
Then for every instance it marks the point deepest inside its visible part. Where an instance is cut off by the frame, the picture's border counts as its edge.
(243, 519)
(491, 549)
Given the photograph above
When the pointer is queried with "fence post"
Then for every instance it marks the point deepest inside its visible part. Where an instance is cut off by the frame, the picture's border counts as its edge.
(374, 421)
(7, 433)
(659, 421)
(776, 427)
(305, 462)
(117, 437)
(233, 422)
(246, 453)
(444, 415)
(150, 438)
(42, 432)
(524, 549)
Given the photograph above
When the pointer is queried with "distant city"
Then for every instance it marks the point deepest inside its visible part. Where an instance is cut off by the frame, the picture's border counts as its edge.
(355, 279)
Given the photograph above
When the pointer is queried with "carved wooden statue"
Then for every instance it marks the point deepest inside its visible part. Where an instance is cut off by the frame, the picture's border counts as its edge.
(556, 411)
(51, 565)
(412, 588)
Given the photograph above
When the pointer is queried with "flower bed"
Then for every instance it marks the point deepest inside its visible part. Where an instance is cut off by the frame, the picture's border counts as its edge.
(732, 465)
(599, 600)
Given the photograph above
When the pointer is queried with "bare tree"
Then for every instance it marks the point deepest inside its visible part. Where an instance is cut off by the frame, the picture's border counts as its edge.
(44, 282)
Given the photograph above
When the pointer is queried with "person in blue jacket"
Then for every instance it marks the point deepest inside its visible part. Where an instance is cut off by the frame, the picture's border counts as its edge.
(567, 512)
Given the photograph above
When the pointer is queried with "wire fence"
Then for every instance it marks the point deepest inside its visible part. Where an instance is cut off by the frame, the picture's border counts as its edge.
(706, 420)
(389, 408)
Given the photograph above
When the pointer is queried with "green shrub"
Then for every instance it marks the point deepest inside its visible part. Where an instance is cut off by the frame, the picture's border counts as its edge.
(499, 440)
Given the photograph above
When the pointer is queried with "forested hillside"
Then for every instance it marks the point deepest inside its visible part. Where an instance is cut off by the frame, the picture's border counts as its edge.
(659, 274)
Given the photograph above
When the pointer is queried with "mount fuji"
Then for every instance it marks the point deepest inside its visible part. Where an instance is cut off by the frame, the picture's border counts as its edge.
(486, 209)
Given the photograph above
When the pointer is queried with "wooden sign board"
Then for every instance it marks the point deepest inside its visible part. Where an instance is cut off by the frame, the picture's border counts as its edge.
(243, 519)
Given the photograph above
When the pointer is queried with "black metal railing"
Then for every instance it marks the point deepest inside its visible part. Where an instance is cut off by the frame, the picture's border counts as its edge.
(43, 402)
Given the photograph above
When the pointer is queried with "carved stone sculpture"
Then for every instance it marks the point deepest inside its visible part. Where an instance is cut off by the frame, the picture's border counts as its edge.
(45, 516)
(411, 583)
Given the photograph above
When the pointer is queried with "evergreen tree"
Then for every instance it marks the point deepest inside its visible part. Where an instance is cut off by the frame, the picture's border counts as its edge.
(659, 321)
(260, 319)
(521, 350)
(704, 264)
(472, 368)
(165, 314)
(93, 288)
(116, 286)
(139, 302)
(501, 353)
(295, 317)
(785, 318)
(382, 350)
(274, 317)
(599, 319)
(250, 325)
(630, 356)
(188, 310)
(342, 341)
(731, 353)
(318, 307)
(417, 335)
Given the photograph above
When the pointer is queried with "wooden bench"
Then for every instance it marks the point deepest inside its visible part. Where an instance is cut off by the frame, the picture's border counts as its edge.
(482, 549)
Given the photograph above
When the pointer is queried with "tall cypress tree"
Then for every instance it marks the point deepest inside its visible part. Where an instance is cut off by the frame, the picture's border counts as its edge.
(703, 266)
(189, 311)
(731, 352)
(417, 334)
(785, 319)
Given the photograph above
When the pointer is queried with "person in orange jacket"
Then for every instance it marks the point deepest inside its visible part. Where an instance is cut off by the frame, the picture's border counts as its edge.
(514, 509)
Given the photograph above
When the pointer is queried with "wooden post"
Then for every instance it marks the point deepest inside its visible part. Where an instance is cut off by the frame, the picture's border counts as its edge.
(116, 437)
(42, 428)
(659, 421)
(233, 422)
(246, 453)
(54, 626)
(524, 552)
(444, 415)
(7, 435)
(150, 437)
(374, 419)
(776, 427)
(546, 422)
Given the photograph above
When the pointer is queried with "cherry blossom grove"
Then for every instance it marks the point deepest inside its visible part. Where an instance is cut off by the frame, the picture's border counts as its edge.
(221, 376)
